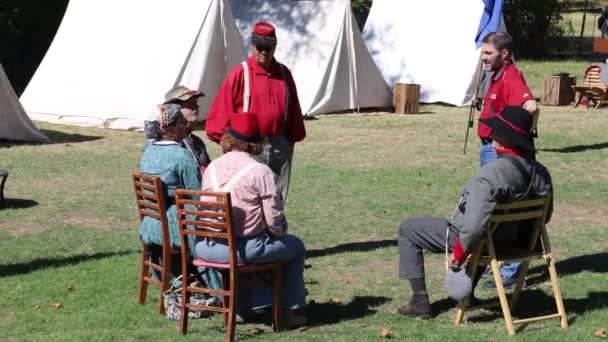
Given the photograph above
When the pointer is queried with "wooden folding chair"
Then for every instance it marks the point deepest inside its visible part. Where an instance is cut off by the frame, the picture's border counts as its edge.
(211, 219)
(593, 87)
(151, 203)
(538, 247)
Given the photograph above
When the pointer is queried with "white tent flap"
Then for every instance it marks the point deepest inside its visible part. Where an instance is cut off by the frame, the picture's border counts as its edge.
(431, 43)
(112, 61)
(14, 122)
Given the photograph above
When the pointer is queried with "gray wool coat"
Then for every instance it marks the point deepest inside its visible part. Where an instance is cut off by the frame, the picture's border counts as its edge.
(497, 182)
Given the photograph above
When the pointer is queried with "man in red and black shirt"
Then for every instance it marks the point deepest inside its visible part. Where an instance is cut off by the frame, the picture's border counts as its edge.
(271, 95)
(507, 88)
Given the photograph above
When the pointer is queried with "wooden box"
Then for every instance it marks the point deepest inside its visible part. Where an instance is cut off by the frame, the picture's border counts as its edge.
(557, 90)
(406, 98)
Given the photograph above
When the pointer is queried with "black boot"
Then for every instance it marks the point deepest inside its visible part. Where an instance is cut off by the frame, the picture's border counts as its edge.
(418, 307)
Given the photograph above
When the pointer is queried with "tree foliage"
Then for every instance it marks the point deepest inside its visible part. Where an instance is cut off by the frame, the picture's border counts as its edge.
(532, 22)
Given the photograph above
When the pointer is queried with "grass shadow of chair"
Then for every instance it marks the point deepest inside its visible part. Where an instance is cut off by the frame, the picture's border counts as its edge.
(320, 314)
(544, 304)
(362, 246)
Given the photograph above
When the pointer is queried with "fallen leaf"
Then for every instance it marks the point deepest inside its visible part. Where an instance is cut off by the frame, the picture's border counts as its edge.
(385, 333)
(37, 307)
(335, 300)
(601, 333)
(256, 331)
(68, 288)
(56, 305)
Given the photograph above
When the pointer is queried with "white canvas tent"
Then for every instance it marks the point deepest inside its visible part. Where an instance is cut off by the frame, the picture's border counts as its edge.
(14, 123)
(112, 61)
(431, 43)
(320, 43)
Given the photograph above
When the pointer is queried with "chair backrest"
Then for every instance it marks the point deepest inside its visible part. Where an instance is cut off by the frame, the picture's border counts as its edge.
(530, 210)
(207, 215)
(151, 201)
(592, 77)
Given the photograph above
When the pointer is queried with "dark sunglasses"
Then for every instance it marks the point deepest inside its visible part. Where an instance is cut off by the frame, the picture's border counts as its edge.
(264, 47)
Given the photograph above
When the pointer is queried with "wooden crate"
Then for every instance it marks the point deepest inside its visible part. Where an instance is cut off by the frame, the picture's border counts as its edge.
(406, 98)
(557, 90)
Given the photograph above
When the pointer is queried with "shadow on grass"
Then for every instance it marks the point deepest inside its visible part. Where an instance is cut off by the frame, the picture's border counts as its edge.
(535, 302)
(363, 246)
(331, 313)
(43, 263)
(576, 148)
(17, 203)
(58, 137)
(597, 263)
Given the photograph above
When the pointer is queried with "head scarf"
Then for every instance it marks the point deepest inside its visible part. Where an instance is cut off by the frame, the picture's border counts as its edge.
(168, 115)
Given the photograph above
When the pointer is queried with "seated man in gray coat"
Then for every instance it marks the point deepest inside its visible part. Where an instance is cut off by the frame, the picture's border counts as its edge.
(513, 176)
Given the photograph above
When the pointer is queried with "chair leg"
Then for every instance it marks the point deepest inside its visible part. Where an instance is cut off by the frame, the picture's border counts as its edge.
(277, 285)
(580, 98)
(231, 316)
(557, 293)
(462, 306)
(518, 287)
(165, 276)
(503, 297)
(184, 310)
(145, 271)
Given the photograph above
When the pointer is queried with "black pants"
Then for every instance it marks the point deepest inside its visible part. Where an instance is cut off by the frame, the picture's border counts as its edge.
(416, 234)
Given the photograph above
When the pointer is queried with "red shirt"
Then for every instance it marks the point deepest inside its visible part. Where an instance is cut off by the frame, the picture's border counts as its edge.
(507, 88)
(267, 101)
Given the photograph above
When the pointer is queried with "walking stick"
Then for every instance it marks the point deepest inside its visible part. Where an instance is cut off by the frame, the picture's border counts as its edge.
(472, 107)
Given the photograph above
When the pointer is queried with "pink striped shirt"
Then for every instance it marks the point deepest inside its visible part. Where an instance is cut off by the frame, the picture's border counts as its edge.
(256, 204)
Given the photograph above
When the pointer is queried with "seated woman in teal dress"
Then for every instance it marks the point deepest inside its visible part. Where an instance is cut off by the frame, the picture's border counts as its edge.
(165, 157)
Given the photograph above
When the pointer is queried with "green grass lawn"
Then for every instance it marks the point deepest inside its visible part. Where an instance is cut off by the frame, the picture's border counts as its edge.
(72, 220)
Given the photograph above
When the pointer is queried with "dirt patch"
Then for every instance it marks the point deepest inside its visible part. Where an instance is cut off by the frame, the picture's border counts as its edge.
(567, 216)
(21, 228)
(92, 221)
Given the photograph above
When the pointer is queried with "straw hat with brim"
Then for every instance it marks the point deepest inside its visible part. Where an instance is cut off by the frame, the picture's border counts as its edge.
(181, 93)
(514, 124)
(458, 284)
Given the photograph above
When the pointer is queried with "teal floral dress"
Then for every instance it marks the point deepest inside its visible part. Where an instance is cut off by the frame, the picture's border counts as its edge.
(178, 170)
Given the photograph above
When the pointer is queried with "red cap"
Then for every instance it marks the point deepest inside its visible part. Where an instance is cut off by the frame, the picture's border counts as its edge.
(244, 127)
(263, 32)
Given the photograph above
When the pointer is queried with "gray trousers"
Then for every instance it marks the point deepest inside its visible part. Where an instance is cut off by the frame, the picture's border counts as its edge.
(416, 234)
(277, 154)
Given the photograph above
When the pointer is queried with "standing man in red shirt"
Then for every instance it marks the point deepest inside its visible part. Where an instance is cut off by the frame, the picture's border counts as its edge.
(507, 88)
(263, 86)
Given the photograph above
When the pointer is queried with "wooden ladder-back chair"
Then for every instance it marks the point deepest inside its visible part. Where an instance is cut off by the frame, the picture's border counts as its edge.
(538, 247)
(592, 87)
(151, 203)
(212, 220)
